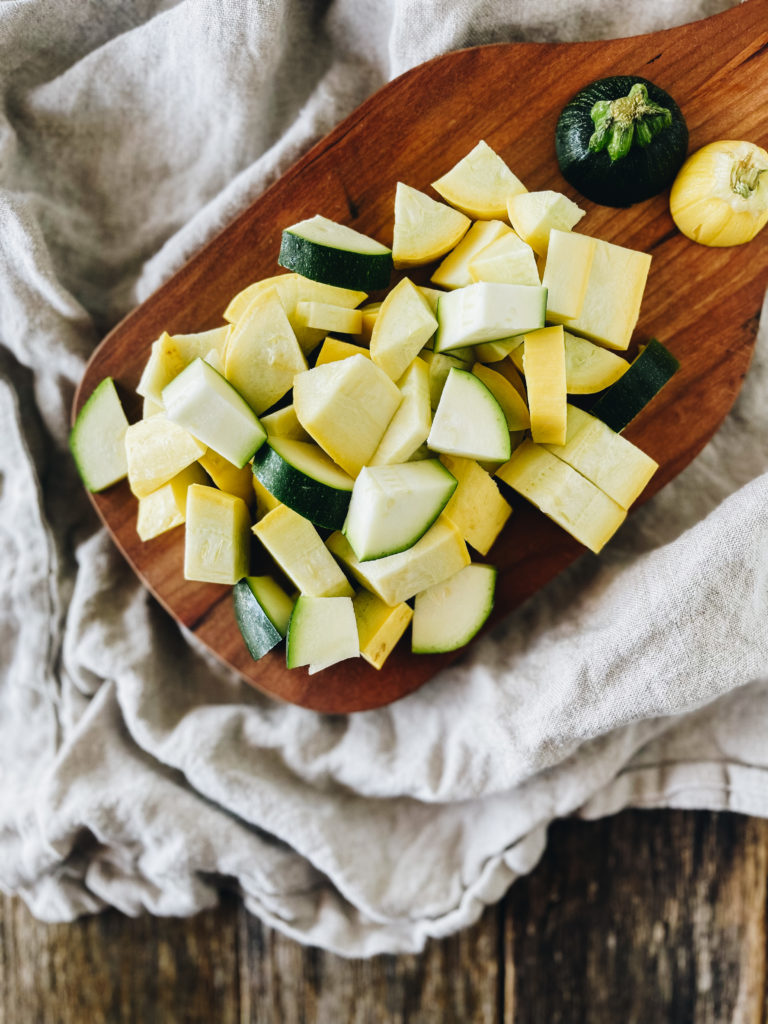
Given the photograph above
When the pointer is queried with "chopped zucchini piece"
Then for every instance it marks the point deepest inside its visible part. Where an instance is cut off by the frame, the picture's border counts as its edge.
(513, 406)
(469, 421)
(335, 254)
(262, 612)
(322, 632)
(305, 479)
(488, 312)
(448, 615)
(97, 440)
(213, 411)
(644, 378)
(393, 506)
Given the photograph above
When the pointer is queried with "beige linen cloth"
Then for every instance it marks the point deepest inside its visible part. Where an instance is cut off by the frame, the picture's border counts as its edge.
(138, 773)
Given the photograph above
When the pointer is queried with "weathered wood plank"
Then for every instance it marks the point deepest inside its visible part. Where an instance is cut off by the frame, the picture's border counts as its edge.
(455, 981)
(646, 917)
(112, 969)
(649, 916)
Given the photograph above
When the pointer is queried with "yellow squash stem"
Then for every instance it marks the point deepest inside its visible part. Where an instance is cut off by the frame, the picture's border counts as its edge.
(720, 196)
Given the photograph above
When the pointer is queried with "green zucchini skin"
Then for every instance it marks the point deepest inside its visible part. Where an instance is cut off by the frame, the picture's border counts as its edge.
(258, 632)
(622, 401)
(322, 505)
(643, 172)
(365, 272)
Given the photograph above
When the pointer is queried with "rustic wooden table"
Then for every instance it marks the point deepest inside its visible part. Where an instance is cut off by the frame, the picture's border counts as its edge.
(648, 917)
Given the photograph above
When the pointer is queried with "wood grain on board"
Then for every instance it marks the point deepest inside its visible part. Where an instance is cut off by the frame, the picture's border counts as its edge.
(702, 303)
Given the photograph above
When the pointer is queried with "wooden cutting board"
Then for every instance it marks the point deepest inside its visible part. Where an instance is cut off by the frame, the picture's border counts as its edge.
(702, 303)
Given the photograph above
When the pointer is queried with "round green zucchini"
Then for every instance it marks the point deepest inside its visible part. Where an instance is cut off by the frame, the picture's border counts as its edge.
(621, 140)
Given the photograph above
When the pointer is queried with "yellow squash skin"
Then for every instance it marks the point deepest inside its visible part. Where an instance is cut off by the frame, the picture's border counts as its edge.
(720, 195)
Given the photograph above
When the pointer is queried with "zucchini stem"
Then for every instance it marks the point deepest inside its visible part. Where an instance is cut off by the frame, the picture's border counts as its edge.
(633, 118)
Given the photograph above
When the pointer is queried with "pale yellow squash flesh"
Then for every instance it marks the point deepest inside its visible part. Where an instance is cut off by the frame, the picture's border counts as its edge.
(157, 450)
(409, 427)
(297, 548)
(479, 184)
(563, 494)
(544, 368)
(166, 508)
(379, 626)
(395, 578)
(216, 539)
(590, 368)
(345, 407)
(513, 406)
(404, 325)
(507, 260)
(476, 507)
(534, 214)
(424, 228)
(566, 273)
(265, 500)
(334, 349)
(325, 317)
(263, 355)
(228, 477)
(454, 270)
(611, 462)
(615, 289)
(284, 423)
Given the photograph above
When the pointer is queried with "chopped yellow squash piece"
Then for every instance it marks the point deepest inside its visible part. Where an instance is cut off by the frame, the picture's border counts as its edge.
(227, 476)
(216, 541)
(534, 214)
(325, 317)
(368, 314)
(265, 500)
(476, 506)
(346, 406)
(614, 292)
(610, 461)
(263, 355)
(296, 546)
(284, 423)
(379, 626)
(508, 260)
(479, 184)
(544, 368)
(334, 349)
(563, 494)
(453, 272)
(424, 228)
(566, 273)
(167, 506)
(409, 427)
(156, 450)
(404, 325)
